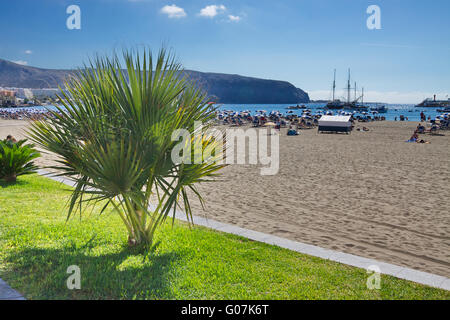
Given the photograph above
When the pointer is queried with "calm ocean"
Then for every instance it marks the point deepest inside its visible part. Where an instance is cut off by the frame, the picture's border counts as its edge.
(407, 110)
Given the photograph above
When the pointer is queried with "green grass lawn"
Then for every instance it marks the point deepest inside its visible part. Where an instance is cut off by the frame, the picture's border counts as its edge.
(37, 246)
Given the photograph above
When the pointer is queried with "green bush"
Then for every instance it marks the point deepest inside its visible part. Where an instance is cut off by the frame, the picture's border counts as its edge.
(16, 159)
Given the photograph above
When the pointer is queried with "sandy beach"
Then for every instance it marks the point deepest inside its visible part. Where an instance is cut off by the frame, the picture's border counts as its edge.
(17, 128)
(367, 193)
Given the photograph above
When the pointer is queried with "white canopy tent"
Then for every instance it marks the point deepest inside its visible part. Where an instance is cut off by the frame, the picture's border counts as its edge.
(335, 123)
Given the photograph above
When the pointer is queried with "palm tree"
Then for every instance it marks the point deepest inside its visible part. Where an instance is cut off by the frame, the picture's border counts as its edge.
(113, 137)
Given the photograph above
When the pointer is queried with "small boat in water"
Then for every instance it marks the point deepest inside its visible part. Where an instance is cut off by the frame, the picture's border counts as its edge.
(379, 109)
(445, 110)
(297, 107)
(359, 107)
(335, 105)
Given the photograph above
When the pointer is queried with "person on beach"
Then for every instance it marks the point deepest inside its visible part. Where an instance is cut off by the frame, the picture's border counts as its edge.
(414, 137)
(292, 131)
(420, 129)
(10, 138)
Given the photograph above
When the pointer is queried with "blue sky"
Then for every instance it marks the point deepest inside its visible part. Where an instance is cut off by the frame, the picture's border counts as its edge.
(300, 41)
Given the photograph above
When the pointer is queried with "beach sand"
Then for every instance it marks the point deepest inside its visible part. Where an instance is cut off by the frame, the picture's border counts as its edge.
(368, 193)
(17, 128)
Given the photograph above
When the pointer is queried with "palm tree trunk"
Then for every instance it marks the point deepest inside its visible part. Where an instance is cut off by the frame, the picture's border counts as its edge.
(138, 236)
(10, 177)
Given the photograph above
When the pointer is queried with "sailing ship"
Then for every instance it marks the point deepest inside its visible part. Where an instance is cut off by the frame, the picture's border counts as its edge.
(336, 104)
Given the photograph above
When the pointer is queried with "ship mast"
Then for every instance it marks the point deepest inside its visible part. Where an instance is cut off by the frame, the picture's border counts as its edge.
(348, 87)
(355, 90)
(334, 84)
(362, 97)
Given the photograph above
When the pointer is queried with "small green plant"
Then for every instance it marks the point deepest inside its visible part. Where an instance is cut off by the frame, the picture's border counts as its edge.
(16, 159)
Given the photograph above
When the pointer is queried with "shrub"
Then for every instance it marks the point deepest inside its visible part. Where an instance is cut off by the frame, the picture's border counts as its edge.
(16, 159)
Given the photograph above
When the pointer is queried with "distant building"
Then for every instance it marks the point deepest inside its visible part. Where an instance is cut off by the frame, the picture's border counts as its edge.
(7, 98)
(433, 103)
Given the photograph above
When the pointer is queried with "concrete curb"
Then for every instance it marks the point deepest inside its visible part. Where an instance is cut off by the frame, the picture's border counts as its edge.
(7, 293)
(425, 278)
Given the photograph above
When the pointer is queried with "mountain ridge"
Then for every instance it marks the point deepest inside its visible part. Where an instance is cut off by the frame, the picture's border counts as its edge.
(223, 88)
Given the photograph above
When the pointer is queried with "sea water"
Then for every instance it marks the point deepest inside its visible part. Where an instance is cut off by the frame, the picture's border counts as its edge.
(394, 111)
(409, 111)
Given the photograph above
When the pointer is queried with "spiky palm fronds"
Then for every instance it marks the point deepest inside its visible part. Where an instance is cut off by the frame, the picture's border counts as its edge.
(16, 159)
(113, 137)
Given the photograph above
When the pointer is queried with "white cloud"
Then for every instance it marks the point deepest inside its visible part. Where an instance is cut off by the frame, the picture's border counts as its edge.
(173, 11)
(212, 11)
(234, 18)
(21, 62)
(28, 51)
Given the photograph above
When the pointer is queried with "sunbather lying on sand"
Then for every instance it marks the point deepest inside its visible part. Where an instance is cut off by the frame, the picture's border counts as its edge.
(415, 138)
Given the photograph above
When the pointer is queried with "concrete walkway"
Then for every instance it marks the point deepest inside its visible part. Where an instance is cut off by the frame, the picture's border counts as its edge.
(7, 293)
(425, 278)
